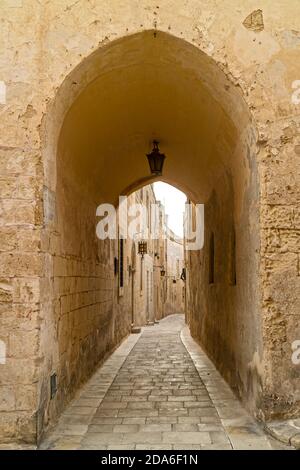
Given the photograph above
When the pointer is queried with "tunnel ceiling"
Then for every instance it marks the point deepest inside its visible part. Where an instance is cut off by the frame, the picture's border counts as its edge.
(140, 88)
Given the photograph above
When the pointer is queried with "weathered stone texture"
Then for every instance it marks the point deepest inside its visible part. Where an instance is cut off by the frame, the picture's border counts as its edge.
(57, 286)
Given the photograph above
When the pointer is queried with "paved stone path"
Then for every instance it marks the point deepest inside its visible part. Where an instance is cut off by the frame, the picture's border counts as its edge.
(157, 391)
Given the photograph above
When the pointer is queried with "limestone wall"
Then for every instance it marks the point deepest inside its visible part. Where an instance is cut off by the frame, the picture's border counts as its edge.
(175, 297)
(250, 65)
(85, 314)
(223, 286)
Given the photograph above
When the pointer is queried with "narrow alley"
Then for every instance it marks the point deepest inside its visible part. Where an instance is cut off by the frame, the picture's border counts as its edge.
(149, 225)
(157, 391)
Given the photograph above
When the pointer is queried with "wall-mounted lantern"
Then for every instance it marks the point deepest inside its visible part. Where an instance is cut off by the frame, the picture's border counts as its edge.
(156, 159)
(142, 248)
(162, 270)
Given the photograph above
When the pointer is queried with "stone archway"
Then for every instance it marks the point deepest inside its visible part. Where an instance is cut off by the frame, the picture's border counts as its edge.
(154, 85)
(240, 64)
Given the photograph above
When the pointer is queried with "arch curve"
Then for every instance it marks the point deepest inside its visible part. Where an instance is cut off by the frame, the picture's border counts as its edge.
(137, 88)
(102, 123)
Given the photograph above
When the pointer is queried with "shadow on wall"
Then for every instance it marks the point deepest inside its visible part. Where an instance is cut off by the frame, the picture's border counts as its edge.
(99, 127)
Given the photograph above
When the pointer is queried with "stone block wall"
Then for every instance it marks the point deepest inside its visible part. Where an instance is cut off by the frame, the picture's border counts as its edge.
(43, 46)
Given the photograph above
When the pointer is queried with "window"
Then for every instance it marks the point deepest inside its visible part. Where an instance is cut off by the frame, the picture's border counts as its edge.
(141, 274)
(151, 286)
(148, 213)
(212, 259)
(232, 279)
(193, 218)
(121, 262)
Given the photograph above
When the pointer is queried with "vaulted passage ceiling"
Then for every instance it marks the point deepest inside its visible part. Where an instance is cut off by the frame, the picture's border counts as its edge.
(143, 87)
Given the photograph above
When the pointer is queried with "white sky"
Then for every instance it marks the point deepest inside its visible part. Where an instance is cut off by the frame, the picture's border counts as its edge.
(174, 202)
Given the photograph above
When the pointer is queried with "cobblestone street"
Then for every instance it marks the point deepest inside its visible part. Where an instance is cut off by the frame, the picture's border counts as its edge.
(149, 225)
(157, 391)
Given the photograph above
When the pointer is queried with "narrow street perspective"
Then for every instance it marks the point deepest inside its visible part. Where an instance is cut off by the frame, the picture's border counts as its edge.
(150, 225)
(150, 395)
